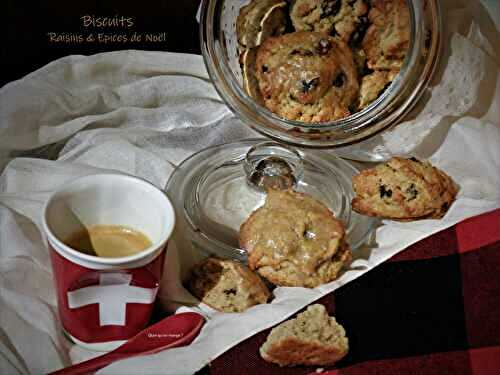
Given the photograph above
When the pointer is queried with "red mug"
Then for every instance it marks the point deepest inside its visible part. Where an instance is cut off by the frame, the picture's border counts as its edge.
(103, 301)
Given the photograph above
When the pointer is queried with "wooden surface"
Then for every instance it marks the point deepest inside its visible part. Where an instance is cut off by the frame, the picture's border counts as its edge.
(26, 27)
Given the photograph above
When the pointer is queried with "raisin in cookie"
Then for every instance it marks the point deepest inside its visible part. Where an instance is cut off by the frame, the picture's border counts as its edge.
(294, 240)
(307, 76)
(334, 17)
(226, 285)
(373, 84)
(260, 20)
(313, 338)
(387, 39)
(403, 189)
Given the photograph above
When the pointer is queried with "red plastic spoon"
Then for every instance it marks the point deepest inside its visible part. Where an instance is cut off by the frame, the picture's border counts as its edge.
(176, 330)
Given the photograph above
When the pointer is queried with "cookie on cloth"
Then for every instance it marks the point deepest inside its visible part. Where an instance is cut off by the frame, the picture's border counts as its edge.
(295, 240)
(307, 76)
(334, 17)
(226, 285)
(313, 339)
(387, 40)
(259, 20)
(403, 189)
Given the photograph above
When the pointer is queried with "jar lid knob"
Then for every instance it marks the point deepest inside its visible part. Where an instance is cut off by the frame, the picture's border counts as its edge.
(272, 165)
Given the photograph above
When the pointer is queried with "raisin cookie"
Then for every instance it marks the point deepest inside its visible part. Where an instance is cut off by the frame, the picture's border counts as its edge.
(334, 17)
(387, 39)
(227, 285)
(260, 20)
(313, 338)
(403, 189)
(294, 240)
(307, 76)
(373, 84)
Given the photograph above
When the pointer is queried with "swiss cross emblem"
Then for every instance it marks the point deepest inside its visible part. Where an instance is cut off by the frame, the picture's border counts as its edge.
(113, 292)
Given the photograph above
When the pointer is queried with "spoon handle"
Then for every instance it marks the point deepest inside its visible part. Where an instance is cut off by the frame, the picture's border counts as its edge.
(92, 364)
(173, 331)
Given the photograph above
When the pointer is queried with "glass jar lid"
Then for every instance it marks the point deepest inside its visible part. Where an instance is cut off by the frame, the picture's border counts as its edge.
(216, 189)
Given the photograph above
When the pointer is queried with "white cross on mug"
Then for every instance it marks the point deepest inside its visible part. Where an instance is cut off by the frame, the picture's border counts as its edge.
(112, 294)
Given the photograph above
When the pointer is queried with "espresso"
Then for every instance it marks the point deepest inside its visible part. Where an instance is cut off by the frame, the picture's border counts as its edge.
(110, 241)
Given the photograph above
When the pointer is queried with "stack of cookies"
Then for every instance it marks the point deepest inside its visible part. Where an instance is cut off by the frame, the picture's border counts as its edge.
(321, 60)
(294, 240)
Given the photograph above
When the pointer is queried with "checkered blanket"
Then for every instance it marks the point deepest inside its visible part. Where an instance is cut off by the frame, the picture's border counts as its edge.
(432, 309)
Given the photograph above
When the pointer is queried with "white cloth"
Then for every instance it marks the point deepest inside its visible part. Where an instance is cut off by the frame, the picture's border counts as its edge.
(143, 113)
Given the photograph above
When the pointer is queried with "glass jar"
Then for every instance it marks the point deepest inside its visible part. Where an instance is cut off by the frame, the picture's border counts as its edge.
(220, 51)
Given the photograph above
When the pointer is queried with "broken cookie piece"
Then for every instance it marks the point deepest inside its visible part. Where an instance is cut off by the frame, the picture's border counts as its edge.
(226, 285)
(313, 339)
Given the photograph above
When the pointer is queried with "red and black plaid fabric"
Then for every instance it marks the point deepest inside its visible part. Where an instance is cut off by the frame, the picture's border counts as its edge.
(432, 309)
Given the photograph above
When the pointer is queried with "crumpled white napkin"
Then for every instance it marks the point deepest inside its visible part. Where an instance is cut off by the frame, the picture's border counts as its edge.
(142, 113)
(133, 112)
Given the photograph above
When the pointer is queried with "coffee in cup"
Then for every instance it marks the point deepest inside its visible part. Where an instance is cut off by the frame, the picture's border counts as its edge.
(108, 241)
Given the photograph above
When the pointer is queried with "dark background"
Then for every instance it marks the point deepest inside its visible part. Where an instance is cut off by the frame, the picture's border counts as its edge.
(25, 25)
